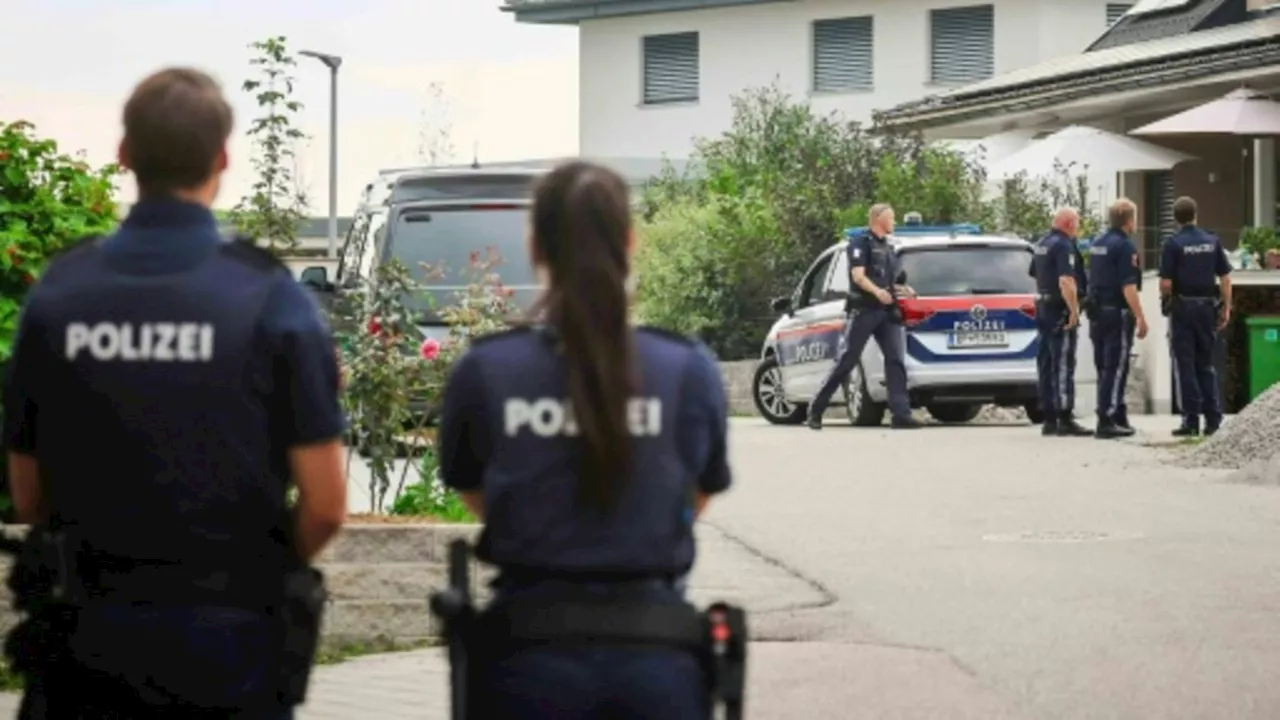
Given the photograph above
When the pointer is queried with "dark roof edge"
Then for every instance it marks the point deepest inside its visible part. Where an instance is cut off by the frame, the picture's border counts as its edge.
(1132, 76)
(571, 12)
(1088, 78)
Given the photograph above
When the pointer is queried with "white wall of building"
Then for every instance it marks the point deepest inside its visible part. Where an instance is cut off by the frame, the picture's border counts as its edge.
(752, 46)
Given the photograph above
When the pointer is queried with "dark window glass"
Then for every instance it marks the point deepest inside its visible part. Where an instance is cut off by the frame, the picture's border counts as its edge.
(446, 238)
(968, 271)
(471, 187)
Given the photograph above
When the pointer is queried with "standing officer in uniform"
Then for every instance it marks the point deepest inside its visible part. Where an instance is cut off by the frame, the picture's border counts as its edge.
(588, 448)
(1055, 267)
(167, 388)
(873, 270)
(1115, 279)
(1191, 261)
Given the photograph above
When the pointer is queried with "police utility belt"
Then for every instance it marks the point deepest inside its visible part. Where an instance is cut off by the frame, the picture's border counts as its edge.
(49, 588)
(1170, 303)
(717, 636)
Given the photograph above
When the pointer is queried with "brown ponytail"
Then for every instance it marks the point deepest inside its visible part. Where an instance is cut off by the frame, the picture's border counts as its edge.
(581, 233)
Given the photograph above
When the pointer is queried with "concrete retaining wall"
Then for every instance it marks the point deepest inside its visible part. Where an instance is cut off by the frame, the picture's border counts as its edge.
(379, 578)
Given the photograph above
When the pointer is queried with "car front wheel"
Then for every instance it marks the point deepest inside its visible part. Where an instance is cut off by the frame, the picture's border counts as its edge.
(770, 398)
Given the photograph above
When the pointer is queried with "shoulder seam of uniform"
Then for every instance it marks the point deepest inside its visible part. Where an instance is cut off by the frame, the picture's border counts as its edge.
(669, 334)
(516, 330)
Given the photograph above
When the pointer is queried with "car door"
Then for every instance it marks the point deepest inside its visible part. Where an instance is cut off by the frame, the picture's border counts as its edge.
(806, 343)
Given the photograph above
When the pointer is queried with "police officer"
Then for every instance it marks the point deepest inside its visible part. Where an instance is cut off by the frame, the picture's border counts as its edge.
(1192, 259)
(1056, 268)
(873, 271)
(1115, 279)
(167, 389)
(588, 448)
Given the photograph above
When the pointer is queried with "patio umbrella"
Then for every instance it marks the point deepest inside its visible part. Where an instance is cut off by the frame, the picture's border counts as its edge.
(1240, 112)
(1243, 112)
(1080, 148)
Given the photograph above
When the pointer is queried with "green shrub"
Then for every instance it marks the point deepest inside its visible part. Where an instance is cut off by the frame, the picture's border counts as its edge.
(48, 200)
(429, 496)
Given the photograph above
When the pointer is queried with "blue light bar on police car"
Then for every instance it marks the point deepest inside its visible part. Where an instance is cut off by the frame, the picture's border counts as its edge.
(910, 230)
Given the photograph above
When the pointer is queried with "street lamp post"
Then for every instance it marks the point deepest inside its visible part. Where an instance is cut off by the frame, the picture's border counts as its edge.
(333, 62)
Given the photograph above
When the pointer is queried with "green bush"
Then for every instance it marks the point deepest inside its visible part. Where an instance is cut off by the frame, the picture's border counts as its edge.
(429, 497)
(48, 200)
(704, 262)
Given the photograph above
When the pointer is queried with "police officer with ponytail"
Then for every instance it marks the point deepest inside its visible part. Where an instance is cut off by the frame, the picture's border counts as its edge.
(168, 387)
(588, 447)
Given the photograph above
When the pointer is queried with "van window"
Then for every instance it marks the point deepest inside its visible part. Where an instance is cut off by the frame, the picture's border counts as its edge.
(956, 270)
(446, 238)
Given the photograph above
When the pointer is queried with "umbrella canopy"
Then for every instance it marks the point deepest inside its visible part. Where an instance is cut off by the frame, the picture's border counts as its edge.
(1239, 112)
(1084, 148)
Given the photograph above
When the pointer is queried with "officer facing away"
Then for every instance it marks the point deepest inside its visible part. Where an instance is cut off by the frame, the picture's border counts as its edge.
(873, 270)
(166, 390)
(1191, 261)
(1055, 268)
(588, 448)
(1115, 278)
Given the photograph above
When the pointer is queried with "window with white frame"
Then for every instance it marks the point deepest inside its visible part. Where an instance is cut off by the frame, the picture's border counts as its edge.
(962, 40)
(670, 68)
(843, 57)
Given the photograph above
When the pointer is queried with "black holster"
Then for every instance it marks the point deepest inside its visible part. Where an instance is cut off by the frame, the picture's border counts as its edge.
(1167, 303)
(45, 583)
(299, 615)
(718, 636)
(1089, 307)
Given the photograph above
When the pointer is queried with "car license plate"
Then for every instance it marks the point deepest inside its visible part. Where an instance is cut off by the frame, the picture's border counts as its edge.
(978, 339)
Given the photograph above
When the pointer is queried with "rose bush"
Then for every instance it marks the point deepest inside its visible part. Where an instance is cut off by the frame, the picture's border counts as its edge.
(395, 378)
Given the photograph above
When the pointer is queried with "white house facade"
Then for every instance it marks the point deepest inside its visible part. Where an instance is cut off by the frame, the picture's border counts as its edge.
(655, 74)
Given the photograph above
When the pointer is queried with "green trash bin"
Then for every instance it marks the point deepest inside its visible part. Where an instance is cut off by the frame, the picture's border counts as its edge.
(1264, 353)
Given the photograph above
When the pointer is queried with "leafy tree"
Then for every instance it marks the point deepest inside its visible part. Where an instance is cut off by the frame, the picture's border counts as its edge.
(276, 205)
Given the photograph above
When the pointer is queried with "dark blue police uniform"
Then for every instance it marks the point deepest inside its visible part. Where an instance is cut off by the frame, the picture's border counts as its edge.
(1192, 261)
(1056, 256)
(507, 429)
(870, 318)
(160, 377)
(1113, 265)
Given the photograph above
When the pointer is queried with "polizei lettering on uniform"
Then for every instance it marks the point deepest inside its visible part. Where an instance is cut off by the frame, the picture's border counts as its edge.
(146, 342)
(551, 417)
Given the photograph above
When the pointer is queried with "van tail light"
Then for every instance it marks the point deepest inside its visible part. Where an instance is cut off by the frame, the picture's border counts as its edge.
(1029, 310)
(915, 312)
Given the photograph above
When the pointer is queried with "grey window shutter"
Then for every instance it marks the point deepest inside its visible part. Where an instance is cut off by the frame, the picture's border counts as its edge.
(843, 57)
(963, 41)
(1115, 11)
(670, 68)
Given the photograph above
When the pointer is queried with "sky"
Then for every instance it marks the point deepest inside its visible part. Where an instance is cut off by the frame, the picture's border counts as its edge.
(506, 89)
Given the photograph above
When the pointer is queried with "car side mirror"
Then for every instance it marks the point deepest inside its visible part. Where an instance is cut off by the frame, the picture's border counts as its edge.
(782, 304)
(317, 278)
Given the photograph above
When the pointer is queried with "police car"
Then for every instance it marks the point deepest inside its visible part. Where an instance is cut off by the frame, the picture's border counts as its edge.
(970, 332)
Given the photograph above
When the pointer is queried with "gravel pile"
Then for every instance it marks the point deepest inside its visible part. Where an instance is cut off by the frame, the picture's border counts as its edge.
(1250, 438)
(1258, 472)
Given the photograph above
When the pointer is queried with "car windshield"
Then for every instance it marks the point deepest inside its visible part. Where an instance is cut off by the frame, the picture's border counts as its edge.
(446, 239)
(977, 270)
